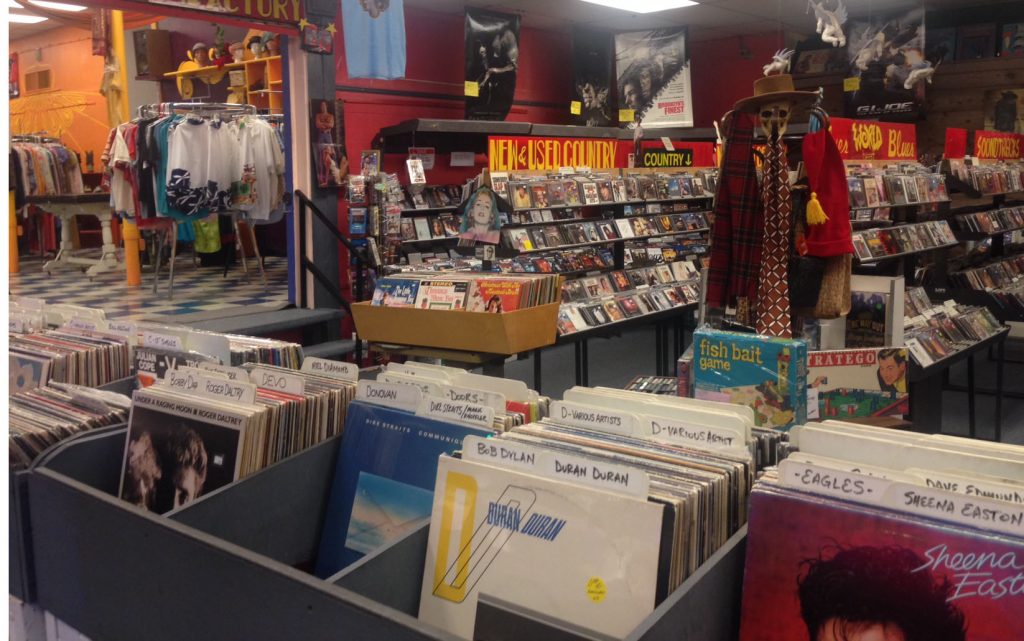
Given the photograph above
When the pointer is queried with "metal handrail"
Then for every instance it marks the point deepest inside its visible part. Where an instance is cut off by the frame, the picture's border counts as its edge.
(306, 265)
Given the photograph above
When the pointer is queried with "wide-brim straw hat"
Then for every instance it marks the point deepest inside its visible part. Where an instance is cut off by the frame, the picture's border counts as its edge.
(774, 89)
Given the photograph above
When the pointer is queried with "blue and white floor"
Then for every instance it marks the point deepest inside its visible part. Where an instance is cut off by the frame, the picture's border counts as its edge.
(196, 289)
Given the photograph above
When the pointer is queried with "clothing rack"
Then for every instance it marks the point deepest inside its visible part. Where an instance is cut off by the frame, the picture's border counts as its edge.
(198, 108)
(36, 137)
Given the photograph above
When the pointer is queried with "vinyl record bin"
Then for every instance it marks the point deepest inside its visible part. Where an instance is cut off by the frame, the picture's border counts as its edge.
(230, 565)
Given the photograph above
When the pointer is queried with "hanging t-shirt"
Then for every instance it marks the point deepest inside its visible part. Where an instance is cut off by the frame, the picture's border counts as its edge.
(261, 167)
(374, 39)
(202, 164)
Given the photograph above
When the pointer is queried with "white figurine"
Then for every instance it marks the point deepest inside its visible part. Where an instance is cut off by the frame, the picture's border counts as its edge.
(873, 50)
(780, 62)
(921, 74)
(830, 23)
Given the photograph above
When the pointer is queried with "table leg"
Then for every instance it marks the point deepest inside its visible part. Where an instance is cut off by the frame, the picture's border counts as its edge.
(536, 370)
(585, 363)
(659, 349)
(970, 393)
(577, 348)
(1000, 355)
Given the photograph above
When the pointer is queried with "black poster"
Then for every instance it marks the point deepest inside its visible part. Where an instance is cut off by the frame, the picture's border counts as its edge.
(888, 70)
(492, 60)
(592, 57)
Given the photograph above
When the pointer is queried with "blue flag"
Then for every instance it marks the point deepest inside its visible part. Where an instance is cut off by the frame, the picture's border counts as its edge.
(374, 38)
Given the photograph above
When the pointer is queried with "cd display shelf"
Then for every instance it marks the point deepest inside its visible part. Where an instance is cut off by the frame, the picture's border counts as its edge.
(928, 383)
(230, 565)
(904, 263)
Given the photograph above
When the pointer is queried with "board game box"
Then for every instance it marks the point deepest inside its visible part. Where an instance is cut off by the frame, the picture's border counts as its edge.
(765, 373)
(851, 383)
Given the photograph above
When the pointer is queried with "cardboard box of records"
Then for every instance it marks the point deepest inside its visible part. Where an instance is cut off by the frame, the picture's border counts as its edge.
(494, 314)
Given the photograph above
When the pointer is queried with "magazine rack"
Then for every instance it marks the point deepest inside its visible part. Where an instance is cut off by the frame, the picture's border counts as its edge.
(228, 563)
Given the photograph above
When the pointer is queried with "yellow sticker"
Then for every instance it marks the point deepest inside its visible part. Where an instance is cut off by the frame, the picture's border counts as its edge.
(472, 89)
(851, 84)
(575, 107)
(596, 589)
(625, 115)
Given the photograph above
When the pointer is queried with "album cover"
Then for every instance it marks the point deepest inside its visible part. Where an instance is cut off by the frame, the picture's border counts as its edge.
(509, 526)
(866, 320)
(833, 567)
(179, 449)
(539, 191)
(520, 196)
(571, 188)
(395, 292)
(442, 294)
(384, 480)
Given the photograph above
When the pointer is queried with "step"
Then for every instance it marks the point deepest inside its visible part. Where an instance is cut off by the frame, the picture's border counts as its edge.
(262, 323)
(334, 350)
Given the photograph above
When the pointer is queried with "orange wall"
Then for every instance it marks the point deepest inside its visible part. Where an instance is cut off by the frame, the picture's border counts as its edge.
(77, 75)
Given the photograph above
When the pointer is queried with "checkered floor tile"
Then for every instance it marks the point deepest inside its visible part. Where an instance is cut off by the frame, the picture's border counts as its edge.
(196, 289)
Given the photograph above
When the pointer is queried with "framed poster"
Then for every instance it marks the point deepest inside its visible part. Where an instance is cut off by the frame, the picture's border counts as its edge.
(653, 77)
(886, 63)
(492, 63)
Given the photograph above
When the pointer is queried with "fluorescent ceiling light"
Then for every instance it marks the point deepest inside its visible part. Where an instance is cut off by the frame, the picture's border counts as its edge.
(58, 6)
(644, 6)
(23, 19)
(14, 5)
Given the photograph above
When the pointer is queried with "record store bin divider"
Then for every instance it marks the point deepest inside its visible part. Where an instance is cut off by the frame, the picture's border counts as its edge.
(230, 565)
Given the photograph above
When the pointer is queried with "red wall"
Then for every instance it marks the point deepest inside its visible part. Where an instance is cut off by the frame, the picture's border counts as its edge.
(434, 64)
(719, 76)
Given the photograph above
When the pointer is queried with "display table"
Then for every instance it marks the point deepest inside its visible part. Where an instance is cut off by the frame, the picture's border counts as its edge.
(67, 207)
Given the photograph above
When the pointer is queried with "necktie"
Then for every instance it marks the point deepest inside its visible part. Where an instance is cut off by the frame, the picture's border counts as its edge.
(773, 289)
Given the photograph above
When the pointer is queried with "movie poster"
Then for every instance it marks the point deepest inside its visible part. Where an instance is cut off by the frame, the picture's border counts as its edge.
(13, 88)
(328, 132)
(592, 79)
(653, 77)
(492, 62)
(1004, 110)
(888, 69)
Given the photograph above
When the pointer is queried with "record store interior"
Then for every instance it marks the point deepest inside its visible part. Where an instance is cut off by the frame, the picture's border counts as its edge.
(494, 320)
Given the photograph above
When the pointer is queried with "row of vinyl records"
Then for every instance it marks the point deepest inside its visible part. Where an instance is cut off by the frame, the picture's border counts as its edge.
(601, 230)
(933, 332)
(598, 300)
(613, 498)
(576, 191)
(1001, 178)
(462, 291)
(79, 345)
(870, 533)
(903, 239)
(995, 221)
(877, 187)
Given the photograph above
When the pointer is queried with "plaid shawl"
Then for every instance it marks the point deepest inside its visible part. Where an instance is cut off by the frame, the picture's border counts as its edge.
(739, 224)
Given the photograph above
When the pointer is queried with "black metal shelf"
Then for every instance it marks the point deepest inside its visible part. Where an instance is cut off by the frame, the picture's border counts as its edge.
(893, 205)
(869, 224)
(615, 327)
(917, 372)
(981, 235)
(878, 259)
(428, 210)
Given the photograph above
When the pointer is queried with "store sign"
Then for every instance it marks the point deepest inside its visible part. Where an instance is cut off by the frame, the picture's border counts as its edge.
(956, 143)
(280, 11)
(682, 157)
(872, 140)
(994, 145)
(655, 153)
(519, 153)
